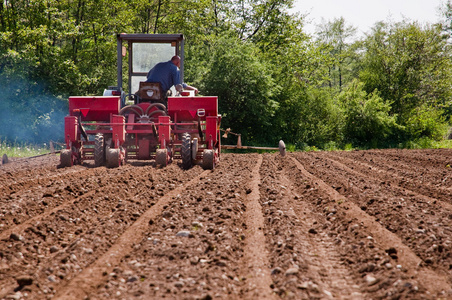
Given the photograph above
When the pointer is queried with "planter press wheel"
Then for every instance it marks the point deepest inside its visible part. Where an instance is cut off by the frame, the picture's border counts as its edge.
(113, 158)
(135, 108)
(161, 157)
(186, 151)
(282, 148)
(99, 150)
(156, 113)
(159, 106)
(208, 159)
(66, 158)
(194, 148)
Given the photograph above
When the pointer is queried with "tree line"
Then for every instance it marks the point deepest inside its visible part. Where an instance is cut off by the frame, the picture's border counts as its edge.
(387, 88)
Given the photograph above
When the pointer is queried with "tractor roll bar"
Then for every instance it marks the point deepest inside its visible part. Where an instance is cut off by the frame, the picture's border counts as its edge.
(149, 38)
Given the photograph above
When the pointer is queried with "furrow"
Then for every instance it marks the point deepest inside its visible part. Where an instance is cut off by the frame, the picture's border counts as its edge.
(64, 237)
(306, 260)
(436, 283)
(256, 254)
(81, 286)
(364, 170)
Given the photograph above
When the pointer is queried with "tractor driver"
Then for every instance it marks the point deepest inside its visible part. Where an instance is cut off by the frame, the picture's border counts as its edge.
(168, 74)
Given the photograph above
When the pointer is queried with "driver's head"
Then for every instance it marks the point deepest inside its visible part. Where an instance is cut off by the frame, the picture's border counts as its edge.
(176, 61)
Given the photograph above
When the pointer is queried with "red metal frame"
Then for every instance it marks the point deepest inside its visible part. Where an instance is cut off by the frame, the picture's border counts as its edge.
(89, 116)
(96, 108)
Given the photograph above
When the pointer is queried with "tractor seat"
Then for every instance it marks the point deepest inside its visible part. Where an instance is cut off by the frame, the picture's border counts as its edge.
(151, 92)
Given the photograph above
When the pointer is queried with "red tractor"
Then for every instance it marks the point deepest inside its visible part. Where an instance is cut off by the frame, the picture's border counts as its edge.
(110, 129)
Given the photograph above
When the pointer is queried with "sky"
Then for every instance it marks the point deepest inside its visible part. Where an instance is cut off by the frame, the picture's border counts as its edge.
(363, 14)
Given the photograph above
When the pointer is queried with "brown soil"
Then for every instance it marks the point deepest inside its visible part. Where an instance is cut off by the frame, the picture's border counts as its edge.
(320, 225)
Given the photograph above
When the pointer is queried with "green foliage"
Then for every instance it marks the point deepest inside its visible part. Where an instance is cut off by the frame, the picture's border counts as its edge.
(273, 81)
(21, 149)
(311, 118)
(426, 121)
(420, 143)
(331, 146)
(337, 36)
(409, 65)
(367, 119)
(244, 86)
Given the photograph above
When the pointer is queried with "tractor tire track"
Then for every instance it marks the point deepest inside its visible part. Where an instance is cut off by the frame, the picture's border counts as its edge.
(256, 254)
(25, 199)
(74, 194)
(195, 247)
(432, 243)
(417, 158)
(305, 260)
(430, 173)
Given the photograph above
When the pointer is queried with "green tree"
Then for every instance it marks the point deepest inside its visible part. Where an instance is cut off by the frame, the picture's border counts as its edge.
(367, 120)
(408, 64)
(446, 13)
(244, 86)
(310, 117)
(426, 121)
(338, 37)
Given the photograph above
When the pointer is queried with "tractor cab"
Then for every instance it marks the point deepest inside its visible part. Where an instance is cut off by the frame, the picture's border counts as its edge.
(138, 53)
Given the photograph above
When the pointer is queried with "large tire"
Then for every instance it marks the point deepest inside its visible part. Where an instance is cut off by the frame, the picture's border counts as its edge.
(161, 157)
(99, 150)
(208, 159)
(185, 151)
(113, 158)
(66, 158)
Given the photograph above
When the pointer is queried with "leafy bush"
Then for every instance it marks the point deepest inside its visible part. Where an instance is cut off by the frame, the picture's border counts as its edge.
(320, 118)
(409, 64)
(426, 121)
(244, 87)
(367, 121)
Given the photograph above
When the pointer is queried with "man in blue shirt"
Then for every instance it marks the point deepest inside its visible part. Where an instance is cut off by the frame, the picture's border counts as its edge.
(168, 74)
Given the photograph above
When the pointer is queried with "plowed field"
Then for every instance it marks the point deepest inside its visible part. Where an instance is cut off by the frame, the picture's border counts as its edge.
(317, 225)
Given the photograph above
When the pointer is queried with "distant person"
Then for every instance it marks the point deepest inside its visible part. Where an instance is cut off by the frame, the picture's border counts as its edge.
(168, 74)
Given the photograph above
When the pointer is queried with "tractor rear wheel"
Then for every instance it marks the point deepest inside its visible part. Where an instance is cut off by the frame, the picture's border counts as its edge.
(113, 158)
(161, 157)
(185, 151)
(99, 150)
(66, 158)
(208, 159)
